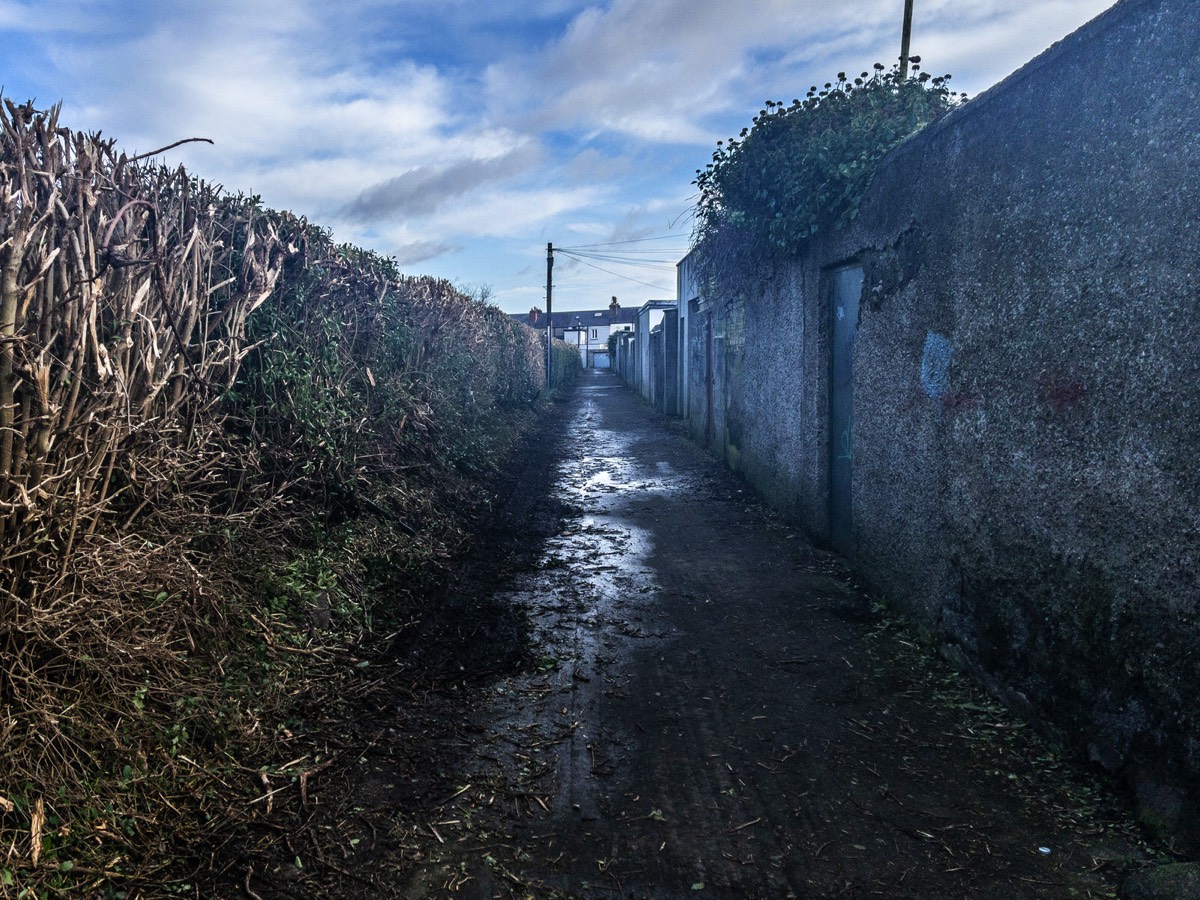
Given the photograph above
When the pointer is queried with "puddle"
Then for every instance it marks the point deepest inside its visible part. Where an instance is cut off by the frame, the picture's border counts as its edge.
(593, 581)
(604, 466)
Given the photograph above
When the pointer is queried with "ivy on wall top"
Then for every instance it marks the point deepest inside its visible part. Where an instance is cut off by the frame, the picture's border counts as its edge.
(802, 169)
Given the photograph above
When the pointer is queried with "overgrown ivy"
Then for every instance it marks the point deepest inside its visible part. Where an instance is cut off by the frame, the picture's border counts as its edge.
(801, 169)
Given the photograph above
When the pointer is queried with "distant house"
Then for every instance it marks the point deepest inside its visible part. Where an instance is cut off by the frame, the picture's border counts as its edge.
(587, 330)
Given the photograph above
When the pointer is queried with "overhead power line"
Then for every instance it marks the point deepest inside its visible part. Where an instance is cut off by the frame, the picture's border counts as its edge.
(652, 258)
(621, 260)
(663, 237)
(657, 287)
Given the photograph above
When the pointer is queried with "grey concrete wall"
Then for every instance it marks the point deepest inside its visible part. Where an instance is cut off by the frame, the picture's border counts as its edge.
(667, 398)
(696, 413)
(687, 292)
(1027, 392)
(654, 378)
(775, 432)
(625, 358)
(641, 379)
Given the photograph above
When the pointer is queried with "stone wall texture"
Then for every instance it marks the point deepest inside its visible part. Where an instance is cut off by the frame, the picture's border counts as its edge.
(1026, 447)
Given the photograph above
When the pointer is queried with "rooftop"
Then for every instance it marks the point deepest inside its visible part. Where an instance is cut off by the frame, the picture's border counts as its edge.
(582, 318)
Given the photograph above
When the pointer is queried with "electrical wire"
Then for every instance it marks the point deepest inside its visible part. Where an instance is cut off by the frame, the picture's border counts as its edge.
(663, 237)
(621, 260)
(657, 287)
(598, 253)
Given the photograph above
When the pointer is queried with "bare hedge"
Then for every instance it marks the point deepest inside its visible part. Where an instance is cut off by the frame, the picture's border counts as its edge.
(185, 375)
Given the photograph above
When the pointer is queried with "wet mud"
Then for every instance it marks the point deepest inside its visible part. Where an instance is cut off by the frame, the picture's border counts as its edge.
(716, 711)
(701, 705)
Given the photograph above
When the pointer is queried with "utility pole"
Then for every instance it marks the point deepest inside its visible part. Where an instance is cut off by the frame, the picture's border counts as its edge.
(549, 311)
(905, 38)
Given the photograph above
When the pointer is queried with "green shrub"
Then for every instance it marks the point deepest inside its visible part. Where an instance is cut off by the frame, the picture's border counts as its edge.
(801, 169)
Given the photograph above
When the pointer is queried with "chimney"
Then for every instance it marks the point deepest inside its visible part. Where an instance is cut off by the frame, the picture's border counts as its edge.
(613, 309)
(533, 315)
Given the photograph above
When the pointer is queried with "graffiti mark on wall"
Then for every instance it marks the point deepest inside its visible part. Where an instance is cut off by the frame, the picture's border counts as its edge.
(846, 445)
(1062, 392)
(935, 365)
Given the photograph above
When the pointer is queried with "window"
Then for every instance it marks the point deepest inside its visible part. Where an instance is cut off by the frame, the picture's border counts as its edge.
(595, 334)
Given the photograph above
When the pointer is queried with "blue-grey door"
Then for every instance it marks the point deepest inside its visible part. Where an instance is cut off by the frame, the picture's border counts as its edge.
(845, 289)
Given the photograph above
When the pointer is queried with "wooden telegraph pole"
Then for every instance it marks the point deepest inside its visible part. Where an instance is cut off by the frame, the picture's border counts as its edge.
(905, 37)
(549, 311)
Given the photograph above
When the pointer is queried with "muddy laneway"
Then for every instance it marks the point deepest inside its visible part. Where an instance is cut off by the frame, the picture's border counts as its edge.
(709, 708)
(718, 713)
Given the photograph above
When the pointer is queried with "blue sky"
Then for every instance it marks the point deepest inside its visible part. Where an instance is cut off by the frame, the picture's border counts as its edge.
(461, 136)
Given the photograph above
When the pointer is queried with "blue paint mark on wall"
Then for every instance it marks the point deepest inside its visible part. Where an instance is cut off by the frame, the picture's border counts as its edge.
(935, 365)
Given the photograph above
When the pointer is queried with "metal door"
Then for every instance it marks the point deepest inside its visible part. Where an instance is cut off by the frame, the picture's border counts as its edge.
(845, 289)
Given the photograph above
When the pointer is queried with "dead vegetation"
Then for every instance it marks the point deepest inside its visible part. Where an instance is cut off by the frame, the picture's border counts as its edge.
(229, 451)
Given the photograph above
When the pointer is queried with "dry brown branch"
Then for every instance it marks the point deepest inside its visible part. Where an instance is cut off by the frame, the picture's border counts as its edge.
(188, 383)
(170, 147)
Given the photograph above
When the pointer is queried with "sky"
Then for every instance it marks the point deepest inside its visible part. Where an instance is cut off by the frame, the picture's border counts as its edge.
(462, 136)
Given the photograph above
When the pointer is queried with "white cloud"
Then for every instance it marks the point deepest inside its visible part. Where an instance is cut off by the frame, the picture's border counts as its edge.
(514, 213)
(425, 189)
(656, 70)
(461, 136)
(982, 46)
(419, 251)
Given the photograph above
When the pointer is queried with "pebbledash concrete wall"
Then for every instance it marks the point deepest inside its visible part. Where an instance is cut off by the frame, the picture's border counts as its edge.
(1026, 390)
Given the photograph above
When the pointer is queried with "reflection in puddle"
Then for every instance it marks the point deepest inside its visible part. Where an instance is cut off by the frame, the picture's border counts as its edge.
(591, 598)
(600, 479)
(603, 471)
(595, 571)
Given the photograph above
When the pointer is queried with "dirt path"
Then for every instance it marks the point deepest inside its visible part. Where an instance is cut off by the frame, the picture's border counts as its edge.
(720, 714)
(710, 710)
